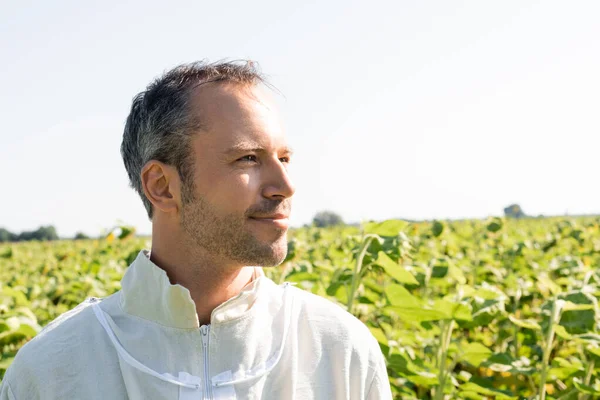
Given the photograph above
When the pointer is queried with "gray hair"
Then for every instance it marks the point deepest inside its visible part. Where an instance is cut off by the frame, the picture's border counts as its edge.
(160, 124)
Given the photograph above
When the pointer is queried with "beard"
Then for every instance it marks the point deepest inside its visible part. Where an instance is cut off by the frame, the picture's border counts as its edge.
(227, 236)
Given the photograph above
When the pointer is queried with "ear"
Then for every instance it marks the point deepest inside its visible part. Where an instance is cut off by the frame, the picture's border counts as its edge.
(162, 186)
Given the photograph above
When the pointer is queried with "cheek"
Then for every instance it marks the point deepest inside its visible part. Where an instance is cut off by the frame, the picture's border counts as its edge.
(237, 192)
(243, 187)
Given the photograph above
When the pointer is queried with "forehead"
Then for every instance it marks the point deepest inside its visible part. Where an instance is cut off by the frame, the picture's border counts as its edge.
(233, 113)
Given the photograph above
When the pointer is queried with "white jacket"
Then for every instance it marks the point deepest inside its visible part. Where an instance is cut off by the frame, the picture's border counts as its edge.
(145, 342)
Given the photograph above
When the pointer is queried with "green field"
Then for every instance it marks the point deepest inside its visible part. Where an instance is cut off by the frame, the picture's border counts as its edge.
(496, 309)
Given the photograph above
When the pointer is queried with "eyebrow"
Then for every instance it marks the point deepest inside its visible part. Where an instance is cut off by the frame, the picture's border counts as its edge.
(241, 148)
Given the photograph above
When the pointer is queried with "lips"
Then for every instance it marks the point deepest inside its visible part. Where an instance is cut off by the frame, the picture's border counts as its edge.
(275, 220)
(272, 216)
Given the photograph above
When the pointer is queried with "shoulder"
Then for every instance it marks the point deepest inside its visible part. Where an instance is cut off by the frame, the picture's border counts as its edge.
(66, 325)
(331, 320)
(324, 326)
(55, 352)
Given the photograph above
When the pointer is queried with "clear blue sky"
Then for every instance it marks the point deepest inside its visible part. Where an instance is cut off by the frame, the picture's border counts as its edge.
(428, 109)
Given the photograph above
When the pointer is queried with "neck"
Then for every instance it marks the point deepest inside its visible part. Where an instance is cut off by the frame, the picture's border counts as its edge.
(210, 280)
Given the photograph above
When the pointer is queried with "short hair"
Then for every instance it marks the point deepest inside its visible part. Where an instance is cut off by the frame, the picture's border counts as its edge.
(160, 126)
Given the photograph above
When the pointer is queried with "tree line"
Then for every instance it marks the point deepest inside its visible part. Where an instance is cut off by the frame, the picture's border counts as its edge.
(42, 233)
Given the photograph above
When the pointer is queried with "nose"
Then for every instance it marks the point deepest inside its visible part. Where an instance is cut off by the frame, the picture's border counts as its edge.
(278, 185)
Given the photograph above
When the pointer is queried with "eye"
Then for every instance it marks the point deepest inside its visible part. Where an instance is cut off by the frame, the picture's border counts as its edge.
(250, 158)
(285, 160)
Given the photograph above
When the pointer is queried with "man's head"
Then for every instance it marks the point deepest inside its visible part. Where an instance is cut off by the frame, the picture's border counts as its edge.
(205, 150)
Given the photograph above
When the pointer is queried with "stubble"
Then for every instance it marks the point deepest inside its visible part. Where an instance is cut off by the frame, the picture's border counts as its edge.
(228, 237)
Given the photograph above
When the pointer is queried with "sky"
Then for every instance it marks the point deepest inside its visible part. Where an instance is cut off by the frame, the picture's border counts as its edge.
(397, 109)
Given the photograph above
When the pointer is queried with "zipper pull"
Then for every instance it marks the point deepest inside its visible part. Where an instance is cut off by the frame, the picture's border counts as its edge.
(204, 333)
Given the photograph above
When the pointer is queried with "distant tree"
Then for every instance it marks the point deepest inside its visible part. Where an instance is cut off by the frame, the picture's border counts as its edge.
(327, 218)
(48, 233)
(42, 233)
(81, 236)
(514, 211)
(7, 236)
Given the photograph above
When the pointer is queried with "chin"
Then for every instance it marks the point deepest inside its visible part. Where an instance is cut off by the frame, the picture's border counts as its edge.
(276, 253)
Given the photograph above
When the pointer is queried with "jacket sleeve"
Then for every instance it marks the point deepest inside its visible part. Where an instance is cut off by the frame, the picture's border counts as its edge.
(19, 381)
(379, 387)
(5, 391)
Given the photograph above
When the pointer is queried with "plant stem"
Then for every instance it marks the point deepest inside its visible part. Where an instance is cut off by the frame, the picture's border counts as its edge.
(568, 394)
(588, 376)
(554, 318)
(531, 383)
(516, 327)
(445, 337)
(357, 267)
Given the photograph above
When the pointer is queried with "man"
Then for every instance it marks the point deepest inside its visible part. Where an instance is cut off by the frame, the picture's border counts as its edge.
(205, 150)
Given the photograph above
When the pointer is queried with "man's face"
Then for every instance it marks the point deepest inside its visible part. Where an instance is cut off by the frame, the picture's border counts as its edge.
(242, 194)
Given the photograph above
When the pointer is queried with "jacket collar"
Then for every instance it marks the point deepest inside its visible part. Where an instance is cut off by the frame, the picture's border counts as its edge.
(146, 292)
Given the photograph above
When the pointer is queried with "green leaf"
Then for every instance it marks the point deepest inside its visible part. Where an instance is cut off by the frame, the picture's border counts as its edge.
(525, 323)
(398, 295)
(424, 379)
(578, 313)
(18, 296)
(379, 335)
(545, 284)
(439, 271)
(29, 330)
(342, 294)
(11, 337)
(589, 337)
(594, 350)
(484, 312)
(395, 270)
(569, 306)
(504, 362)
(562, 332)
(437, 228)
(302, 276)
(5, 362)
(400, 364)
(562, 373)
(13, 323)
(417, 314)
(471, 396)
(456, 311)
(585, 388)
(497, 394)
(475, 353)
(488, 293)
(26, 312)
(494, 225)
(390, 227)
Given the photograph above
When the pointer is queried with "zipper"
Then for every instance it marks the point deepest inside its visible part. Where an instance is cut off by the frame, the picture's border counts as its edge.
(205, 331)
